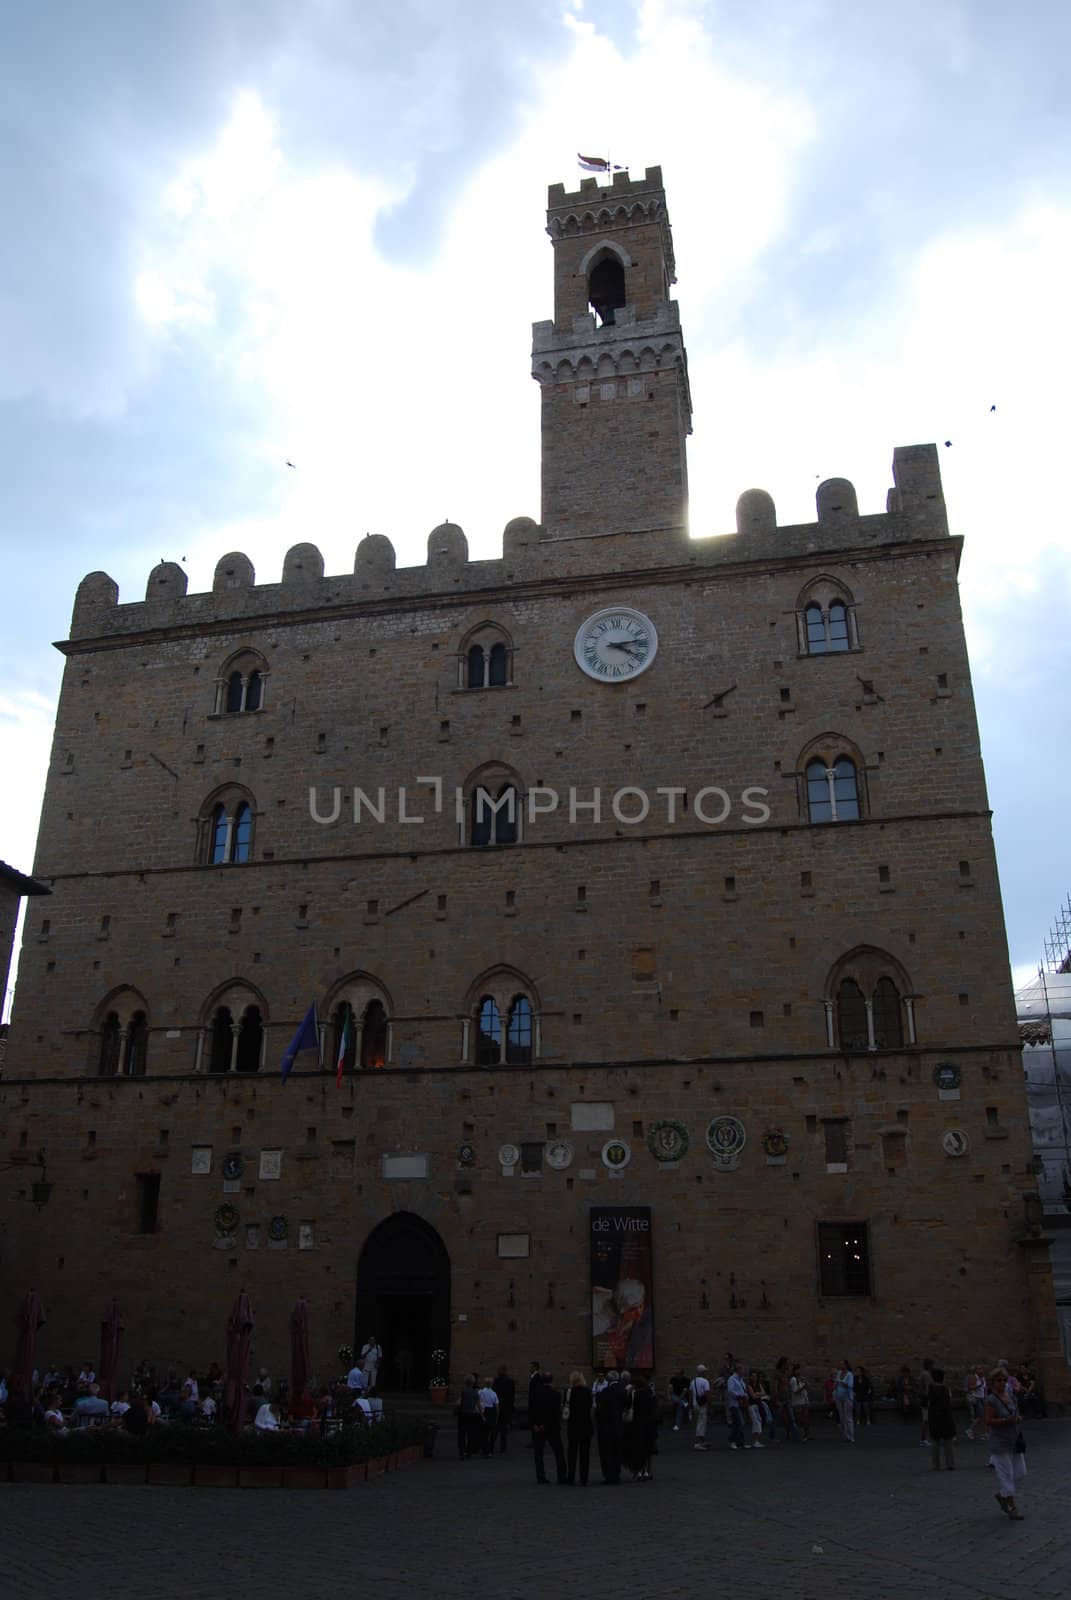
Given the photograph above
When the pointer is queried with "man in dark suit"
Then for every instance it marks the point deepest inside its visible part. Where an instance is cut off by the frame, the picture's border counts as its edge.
(506, 1390)
(545, 1411)
(610, 1427)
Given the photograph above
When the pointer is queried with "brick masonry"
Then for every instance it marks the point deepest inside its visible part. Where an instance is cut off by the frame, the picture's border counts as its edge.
(679, 968)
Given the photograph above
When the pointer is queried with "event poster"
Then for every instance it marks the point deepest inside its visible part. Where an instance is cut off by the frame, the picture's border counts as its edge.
(622, 1288)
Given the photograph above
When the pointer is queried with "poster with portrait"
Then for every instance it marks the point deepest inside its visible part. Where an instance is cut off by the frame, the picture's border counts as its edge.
(622, 1288)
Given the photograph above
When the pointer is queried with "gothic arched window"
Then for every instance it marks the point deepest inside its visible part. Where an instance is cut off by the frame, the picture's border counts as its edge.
(488, 1033)
(137, 1046)
(250, 1041)
(888, 1016)
(221, 1041)
(825, 618)
(374, 1036)
(832, 790)
(606, 289)
(240, 685)
(226, 829)
(519, 1032)
(110, 1043)
(852, 1030)
(485, 659)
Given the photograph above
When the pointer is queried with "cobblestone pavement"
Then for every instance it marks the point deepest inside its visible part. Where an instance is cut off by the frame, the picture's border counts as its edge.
(824, 1520)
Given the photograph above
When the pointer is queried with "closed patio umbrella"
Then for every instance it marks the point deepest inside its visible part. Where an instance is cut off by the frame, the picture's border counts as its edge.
(239, 1339)
(111, 1330)
(300, 1362)
(30, 1317)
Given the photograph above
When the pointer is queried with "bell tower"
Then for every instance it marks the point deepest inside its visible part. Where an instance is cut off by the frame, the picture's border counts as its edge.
(612, 368)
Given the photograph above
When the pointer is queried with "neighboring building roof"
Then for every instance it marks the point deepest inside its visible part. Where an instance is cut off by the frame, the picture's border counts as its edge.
(20, 882)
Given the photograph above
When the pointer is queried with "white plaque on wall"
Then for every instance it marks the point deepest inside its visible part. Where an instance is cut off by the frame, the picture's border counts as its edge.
(305, 1239)
(271, 1164)
(201, 1158)
(405, 1166)
(592, 1116)
(513, 1245)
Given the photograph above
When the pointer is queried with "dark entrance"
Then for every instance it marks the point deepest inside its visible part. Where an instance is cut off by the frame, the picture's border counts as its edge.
(403, 1296)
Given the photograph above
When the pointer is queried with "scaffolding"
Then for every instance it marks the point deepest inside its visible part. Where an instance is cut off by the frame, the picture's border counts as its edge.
(1043, 1009)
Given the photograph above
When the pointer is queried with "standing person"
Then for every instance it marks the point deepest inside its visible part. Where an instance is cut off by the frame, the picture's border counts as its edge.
(547, 1426)
(489, 1417)
(754, 1408)
(578, 1429)
(976, 1392)
(942, 1422)
(844, 1399)
(677, 1395)
(699, 1399)
(506, 1390)
(925, 1380)
(640, 1429)
(610, 1427)
(468, 1418)
(736, 1404)
(782, 1400)
(371, 1356)
(905, 1393)
(801, 1405)
(864, 1398)
(1002, 1420)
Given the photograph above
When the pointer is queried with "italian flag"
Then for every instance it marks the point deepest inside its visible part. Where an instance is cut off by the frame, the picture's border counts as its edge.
(343, 1046)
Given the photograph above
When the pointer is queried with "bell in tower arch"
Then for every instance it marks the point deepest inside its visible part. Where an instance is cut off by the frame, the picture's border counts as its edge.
(606, 288)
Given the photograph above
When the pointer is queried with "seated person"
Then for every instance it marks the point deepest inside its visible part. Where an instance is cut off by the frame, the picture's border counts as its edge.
(267, 1418)
(54, 1421)
(187, 1405)
(362, 1410)
(208, 1408)
(303, 1408)
(137, 1418)
(90, 1407)
(120, 1407)
(355, 1379)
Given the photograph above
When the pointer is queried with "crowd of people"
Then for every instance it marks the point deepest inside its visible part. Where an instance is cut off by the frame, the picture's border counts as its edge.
(60, 1400)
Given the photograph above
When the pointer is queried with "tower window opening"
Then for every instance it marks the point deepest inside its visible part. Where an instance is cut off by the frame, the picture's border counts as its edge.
(606, 289)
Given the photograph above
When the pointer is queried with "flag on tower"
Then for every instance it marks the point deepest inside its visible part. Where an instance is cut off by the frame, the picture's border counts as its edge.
(597, 164)
(306, 1038)
(343, 1046)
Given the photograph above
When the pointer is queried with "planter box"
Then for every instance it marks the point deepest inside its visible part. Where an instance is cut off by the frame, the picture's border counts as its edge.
(260, 1477)
(33, 1472)
(394, 1460)
(174, 1474)
(79, 1471)
(124, 1472)
(304, 1477)
(413, 1453)
(377, 1466)
(215, 1477)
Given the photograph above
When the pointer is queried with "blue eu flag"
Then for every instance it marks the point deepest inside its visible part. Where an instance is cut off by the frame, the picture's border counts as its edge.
(306, 1038)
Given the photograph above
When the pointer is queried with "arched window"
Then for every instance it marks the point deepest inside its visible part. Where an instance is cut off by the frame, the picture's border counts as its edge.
(488, 1033)
(852, 1030)
(345, 1029)
(221, 828)
(497, 666)
(519, 1032)
(837, 637)
(221, 1041)
(869, 1004)
(832, 790)
(110, 1044)
(888, 1016)
(137, 1046)
(502, 1021)
(374, 1036)
(485, 659)
(477, 667)
(606, 288)
(242, 832)
(235, 693)
(494, 818)
(250, 1041)
(226, 829)
(825, 618)
(240, 685)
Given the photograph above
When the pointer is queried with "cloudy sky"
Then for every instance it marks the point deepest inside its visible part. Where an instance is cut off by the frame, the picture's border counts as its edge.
(241, 231)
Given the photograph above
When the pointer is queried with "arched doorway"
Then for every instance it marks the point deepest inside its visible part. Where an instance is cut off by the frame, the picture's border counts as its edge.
(403, 1296)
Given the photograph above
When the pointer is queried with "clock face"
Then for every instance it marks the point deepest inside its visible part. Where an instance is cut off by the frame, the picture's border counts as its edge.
(615, 645)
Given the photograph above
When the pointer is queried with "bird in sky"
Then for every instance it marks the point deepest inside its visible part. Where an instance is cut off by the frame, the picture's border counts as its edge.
(291, 464)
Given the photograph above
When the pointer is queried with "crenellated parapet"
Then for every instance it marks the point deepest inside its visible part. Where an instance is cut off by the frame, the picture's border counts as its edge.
(596, 208)
(532, 555)
(627, 348)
